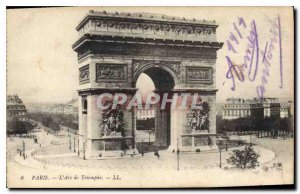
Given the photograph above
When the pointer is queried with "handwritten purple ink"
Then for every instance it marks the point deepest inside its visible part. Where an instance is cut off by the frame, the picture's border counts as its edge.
(267, 57)
(254, 45)
(251, 59)
(261, 88)
(232, 72)
(280, 52)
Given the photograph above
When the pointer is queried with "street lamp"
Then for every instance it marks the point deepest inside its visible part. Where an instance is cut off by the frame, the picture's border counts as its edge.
(78, 145)
(149, 135)
(70, 146)
(178, 152)
(220, 149)
(83, 150)
(23, 149)
(142, 147)
(74, 144)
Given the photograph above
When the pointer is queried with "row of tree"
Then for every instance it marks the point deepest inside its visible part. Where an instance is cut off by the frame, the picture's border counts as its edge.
(269, 124)
(17, 127)
(54, 121)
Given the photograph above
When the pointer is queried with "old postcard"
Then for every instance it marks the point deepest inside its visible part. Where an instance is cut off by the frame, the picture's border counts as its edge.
(150, 97)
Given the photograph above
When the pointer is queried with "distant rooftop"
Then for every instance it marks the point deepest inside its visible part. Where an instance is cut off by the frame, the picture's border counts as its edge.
(14, 100)
(254, 100)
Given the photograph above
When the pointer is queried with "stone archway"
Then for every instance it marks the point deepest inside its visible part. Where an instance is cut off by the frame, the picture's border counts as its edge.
(113, 50)
(165, 81)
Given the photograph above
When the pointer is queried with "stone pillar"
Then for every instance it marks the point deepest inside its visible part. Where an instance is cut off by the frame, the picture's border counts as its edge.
(82, 115)
(134, 117)
(175, 129)
(88, 130)
(213, 122)
(161, 128)
(112, 141)
(80, 126)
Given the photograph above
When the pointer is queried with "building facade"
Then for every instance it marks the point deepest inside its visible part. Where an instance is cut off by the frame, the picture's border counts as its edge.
(15, 109)
(285, 111)
(71, 108)
(235, 108)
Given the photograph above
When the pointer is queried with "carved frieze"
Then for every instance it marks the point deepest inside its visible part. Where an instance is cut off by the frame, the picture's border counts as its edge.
(111, 72)
(199, 75)
(179, 30)
(84, 74)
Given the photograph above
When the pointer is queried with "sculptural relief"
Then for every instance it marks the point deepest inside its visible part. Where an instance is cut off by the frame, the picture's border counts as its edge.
(110, 72)
(112, 121)
(199, 118)
(199, 74)
(84, 74)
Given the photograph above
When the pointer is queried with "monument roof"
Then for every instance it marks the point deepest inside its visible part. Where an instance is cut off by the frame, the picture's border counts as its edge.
(14, 101)
(142, 16)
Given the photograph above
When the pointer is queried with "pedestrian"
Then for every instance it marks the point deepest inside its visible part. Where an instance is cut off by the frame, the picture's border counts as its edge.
(156, 153)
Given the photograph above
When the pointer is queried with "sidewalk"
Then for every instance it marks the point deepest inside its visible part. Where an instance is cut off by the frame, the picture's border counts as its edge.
(167, 160)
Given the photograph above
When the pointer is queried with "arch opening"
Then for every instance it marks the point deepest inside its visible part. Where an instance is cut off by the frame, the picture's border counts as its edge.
(162, 79)
(153, 127)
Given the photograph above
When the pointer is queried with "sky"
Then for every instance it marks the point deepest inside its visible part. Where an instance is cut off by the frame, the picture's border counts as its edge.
(42, 67)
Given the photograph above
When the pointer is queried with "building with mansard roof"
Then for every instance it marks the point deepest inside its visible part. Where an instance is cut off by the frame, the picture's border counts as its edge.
(235, 108)
(15, 109)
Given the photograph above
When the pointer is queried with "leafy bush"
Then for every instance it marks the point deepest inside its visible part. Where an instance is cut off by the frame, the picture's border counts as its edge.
(244, 159)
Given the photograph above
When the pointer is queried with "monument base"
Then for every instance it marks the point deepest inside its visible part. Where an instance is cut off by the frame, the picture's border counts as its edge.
(111, 146)
(198, 142)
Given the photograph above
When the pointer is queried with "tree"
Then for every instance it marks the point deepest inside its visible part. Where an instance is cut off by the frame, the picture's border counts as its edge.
(54, 127)
(46, 121)
(244, 159)
(18, 127)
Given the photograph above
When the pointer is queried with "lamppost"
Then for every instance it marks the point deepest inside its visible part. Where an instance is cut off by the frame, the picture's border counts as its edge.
(149, 135)
(74, 143)
(32, 132)
(83, 150)
(142, 147)
(220, 157)
(250, 139)
(178, 152)
(23, 149)
(70, 146)
(78, 145)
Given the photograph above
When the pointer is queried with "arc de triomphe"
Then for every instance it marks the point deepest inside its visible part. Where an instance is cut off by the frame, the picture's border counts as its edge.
(178, 54)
